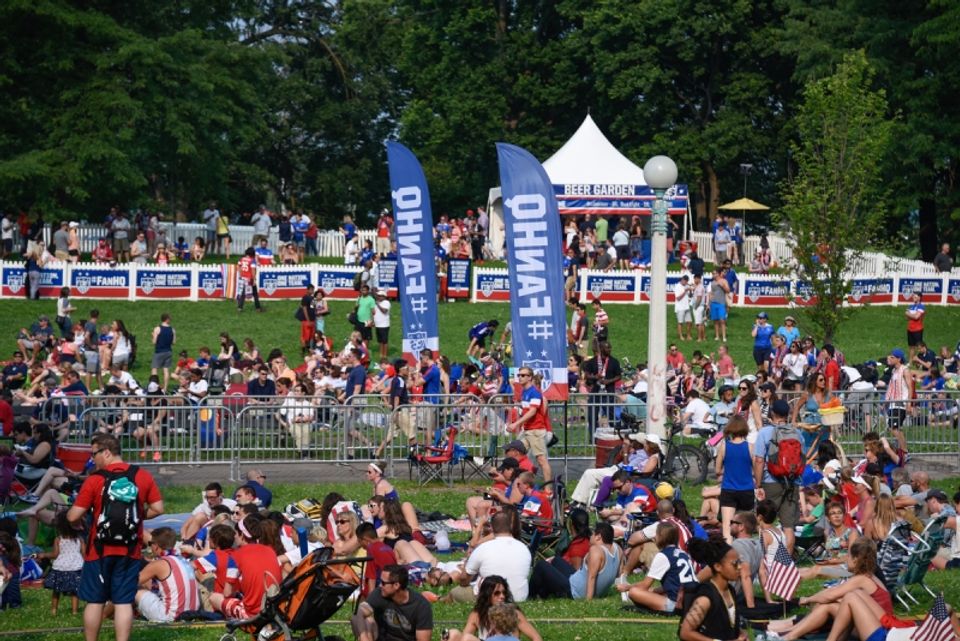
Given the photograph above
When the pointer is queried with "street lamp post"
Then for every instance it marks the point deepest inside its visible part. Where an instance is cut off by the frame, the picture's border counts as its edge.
(660, 172)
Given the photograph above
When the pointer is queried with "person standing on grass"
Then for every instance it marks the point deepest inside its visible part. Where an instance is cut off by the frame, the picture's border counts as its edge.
(306, 314)
(381, 322)
(533, 422)
(719, 290)
(110, 572)
(683, 300)
(915, 314)
(164, 338)
(247, 279)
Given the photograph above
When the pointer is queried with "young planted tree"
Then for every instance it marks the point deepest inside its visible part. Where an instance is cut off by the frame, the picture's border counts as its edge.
(834, 204)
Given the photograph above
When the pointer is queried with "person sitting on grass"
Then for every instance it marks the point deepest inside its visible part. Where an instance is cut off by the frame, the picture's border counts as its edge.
(257, 568)
(594, 578)
(671, 567)
(712, 609)
(494, 591)
(863, 563)
(177, 587)
(380, 554)
(394, 611)
(860, 614)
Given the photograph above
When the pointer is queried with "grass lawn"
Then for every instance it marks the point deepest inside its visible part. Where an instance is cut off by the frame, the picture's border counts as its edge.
(557, 620)
(872, 333)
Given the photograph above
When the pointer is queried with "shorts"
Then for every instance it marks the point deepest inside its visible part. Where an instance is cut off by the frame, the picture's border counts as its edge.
(112, 578)
(741, 500)
(225, 237)
(683, 315)
(718, 312)
(761, 355)
(952, 564)
(403, 423)
(121, 245)
(211, 235)
(536, 442)
(7, 245)
(383, 335)
(162, 360)
(623, 252)
(698, 315)
(896, 417)
(880, 634)
(669, 607)
(233, 608)
(306, 332)
(789, 512)
(120, 359)
(365, 331)
(914, 338)
(383, 244)
(151, 607)
(91, 360)
(480, 342)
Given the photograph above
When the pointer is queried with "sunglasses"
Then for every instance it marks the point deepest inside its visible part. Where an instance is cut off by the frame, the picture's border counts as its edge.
(522, 375)
(744, 389)
(735, 523)
(341, 522)
(93, 453)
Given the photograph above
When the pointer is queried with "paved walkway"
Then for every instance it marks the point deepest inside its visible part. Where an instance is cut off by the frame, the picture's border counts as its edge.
(315, 472)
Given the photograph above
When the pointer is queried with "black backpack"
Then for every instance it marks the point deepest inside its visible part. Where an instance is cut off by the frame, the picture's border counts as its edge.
(119, 521)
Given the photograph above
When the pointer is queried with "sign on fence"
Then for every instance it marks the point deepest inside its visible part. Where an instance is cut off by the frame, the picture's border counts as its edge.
(458, 278)
(284, 284)
(210, 284)
(156, 283)
(930, 289)
(106, 283)
(15, 282)
(491, 286)
(872, 290)
(620, 288)
(766, 292)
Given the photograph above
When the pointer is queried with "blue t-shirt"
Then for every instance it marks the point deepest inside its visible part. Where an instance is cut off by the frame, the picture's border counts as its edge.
(790, 334)
(431, 384)
(732, 279)
(349, 230)
(762, 339)
(481, 330)
(357, 376)
(673, 568)
(366, 255)
(737, 467)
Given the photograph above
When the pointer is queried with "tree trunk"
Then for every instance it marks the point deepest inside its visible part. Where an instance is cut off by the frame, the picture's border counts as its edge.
(928, 236)
(714, 202)
(700, 207)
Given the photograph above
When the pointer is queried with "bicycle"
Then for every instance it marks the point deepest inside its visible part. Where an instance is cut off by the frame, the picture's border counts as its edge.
(682, 463)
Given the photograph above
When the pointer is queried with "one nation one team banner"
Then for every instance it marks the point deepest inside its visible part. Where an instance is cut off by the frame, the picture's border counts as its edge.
(535, 257)
(416, 272)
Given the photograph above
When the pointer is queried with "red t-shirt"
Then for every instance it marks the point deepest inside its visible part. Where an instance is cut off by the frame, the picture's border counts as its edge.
(675, 360)
(259, 569)
(526, 465)
(578, 549)
(91, 497)
(831, 372)
(6, 417)
(382, 555)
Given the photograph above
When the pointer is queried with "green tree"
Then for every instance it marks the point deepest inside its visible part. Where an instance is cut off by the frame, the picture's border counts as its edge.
(834, 205)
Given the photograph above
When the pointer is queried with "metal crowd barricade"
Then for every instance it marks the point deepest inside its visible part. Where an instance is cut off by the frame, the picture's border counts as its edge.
(183, 433)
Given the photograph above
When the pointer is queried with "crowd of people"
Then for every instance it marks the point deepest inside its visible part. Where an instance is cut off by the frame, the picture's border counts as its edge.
(781, 474)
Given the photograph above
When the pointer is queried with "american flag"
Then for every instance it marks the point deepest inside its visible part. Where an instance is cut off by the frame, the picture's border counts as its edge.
(936, 627)
(782, 574)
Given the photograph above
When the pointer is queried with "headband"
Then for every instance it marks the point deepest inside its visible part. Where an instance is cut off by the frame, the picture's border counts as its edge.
(376, 468)
(243, 529)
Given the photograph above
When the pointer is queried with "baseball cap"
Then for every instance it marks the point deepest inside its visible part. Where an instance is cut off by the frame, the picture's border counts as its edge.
(790, 319)
(762, 315)
(515, 445)
(637, 437)
(940, 495)
(896, 352)
(389, 371)
(780, 408)
(381, 294)
(509, 463)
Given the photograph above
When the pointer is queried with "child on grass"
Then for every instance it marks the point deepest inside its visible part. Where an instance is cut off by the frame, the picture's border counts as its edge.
(67, 556)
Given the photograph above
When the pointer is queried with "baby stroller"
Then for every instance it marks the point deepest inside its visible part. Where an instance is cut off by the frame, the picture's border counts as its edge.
(311, 594)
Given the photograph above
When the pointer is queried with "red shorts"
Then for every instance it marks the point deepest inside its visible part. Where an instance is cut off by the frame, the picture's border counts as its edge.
(306, 332)
(233, 608)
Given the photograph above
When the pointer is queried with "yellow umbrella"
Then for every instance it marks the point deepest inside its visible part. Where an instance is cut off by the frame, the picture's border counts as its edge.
(744, 204)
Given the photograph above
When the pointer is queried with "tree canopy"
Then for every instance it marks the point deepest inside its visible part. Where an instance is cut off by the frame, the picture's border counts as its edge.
(171, 105)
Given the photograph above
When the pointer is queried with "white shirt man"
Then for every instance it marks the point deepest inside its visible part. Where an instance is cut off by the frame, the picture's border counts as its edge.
(7, 225)
(381, 313)
(503, 556)
(261, 223)
(351, 252)
(695, 413)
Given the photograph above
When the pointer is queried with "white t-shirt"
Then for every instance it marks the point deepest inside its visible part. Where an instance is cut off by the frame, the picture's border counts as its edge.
(6, 227)
(504, 556)
(196, 388)
(698, 410)
(125, 380)
(680, 290)
(205, 509)
(350, 252)
(381, 319)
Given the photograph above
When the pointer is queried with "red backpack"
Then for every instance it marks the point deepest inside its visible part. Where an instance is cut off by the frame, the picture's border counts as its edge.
(785, 458)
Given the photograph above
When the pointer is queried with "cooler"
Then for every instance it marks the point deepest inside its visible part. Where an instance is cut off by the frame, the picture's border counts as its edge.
(74, 457)
(605, 444)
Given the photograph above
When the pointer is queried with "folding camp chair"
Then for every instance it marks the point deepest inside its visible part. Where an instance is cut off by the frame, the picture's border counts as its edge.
(543, 536)
(920, 556)
(807, 549)
(436, 463)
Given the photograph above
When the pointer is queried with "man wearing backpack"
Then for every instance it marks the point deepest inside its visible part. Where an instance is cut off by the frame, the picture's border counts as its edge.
(120, 497)
(778, 464)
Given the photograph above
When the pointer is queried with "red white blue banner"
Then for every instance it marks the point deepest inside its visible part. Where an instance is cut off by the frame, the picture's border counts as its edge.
(535, 267)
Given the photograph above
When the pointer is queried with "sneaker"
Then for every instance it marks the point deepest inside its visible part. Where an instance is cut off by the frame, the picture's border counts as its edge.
(157, 457)
(29, 497)
(625, 597)
(143, 454)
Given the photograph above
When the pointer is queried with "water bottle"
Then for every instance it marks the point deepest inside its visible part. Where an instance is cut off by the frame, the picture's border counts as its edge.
(442, 540)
